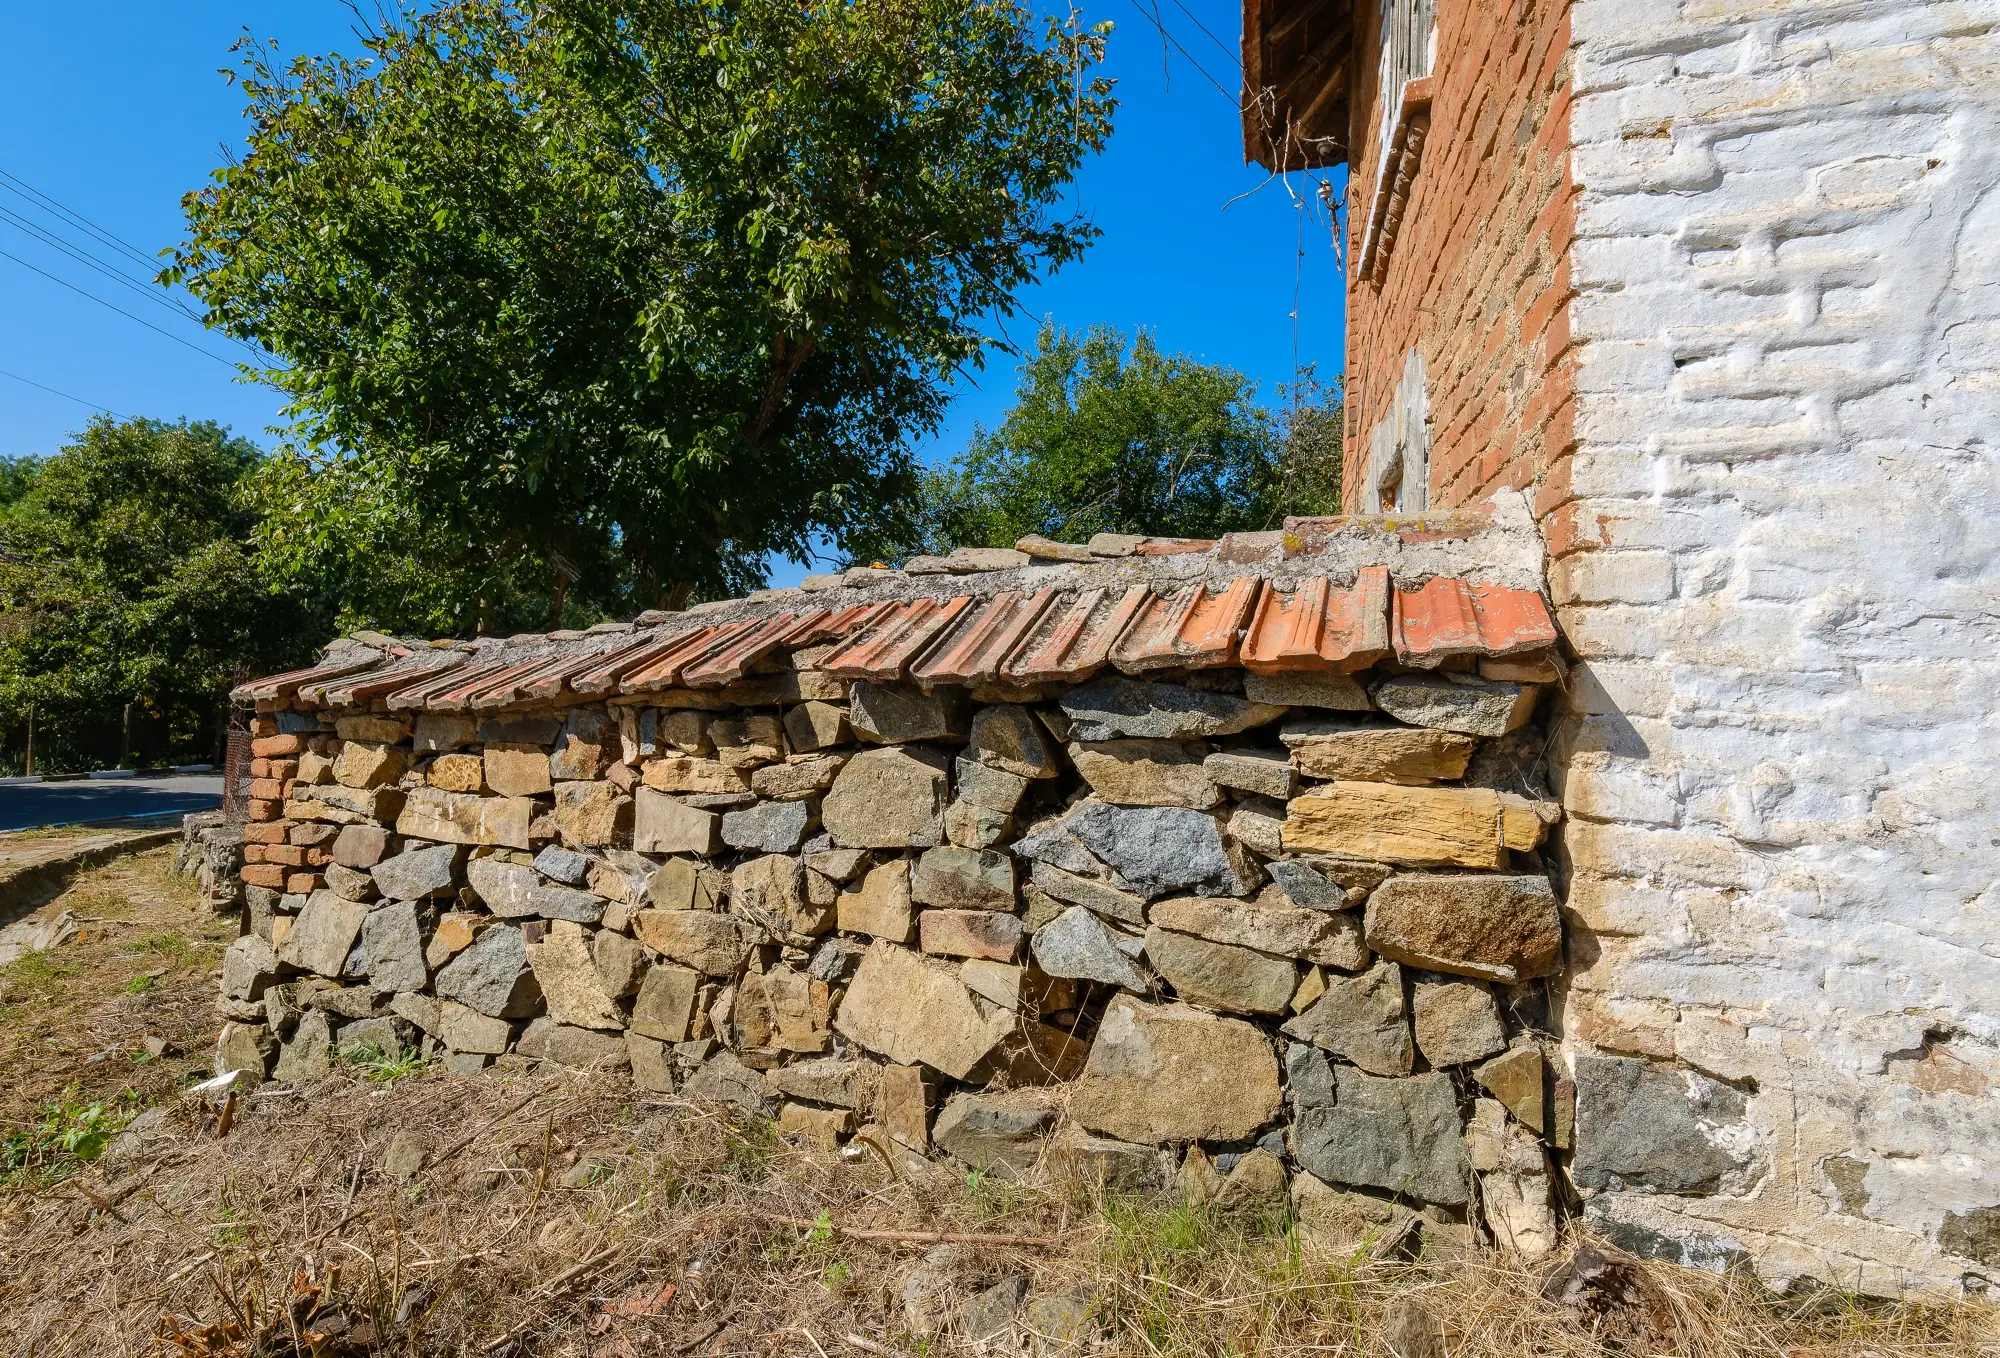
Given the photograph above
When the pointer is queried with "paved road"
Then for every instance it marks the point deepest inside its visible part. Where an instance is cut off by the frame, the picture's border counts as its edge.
(27, 805)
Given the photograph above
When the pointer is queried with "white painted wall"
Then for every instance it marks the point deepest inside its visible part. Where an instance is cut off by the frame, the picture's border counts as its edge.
(1784, 781)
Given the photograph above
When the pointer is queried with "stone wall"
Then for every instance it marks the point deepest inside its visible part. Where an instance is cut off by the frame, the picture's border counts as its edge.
(1250, 930)
(1477, 281)
(1776, 559)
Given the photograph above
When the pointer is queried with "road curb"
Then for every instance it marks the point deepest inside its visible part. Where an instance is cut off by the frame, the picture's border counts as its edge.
(26, 886)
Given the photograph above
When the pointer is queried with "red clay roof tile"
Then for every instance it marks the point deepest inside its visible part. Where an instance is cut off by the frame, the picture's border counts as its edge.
(1255, 599)
(975, 649)
(731, 662)
(1318, 627)
(884, 649)
(375, 683)
(1448, 617)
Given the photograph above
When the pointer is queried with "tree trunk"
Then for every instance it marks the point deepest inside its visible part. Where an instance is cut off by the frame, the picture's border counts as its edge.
(125, 738)
(30, 768)
(556, 608)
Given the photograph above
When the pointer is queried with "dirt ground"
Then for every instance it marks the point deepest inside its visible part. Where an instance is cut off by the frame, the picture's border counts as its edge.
(399, 1210)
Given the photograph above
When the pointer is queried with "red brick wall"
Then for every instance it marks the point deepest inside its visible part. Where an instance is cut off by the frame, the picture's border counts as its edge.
(1478, 278)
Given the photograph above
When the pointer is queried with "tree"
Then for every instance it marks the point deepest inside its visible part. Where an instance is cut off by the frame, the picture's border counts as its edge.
(649, 289)
(127, 575)
(1110, 435)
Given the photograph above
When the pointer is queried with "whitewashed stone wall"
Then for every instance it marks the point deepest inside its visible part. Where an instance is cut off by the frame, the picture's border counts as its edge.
(1784, 772)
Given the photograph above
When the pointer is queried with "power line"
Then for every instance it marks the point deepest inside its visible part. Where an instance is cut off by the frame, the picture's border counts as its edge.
(1235, 58)
(90, 261)
(83, 254)
(47, 204)
(1234, 99)
(53, 392)
(120, 310)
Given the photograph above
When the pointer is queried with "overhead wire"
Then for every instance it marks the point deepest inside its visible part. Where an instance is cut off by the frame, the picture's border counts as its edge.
(1235, 58)
(110, 268)
(1187, 56)
(29, 381)
(21, 188)
(136, 320)
(89, 261)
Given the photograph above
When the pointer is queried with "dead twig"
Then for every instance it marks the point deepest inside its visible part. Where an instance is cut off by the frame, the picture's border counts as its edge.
(102, 1204)
(919, 1237)
(432, 1162)
(576, 1271)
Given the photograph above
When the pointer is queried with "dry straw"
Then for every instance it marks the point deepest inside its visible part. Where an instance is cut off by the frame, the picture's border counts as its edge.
(557, 1214)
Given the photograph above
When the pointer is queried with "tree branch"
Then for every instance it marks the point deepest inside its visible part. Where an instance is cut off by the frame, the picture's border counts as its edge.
(788, 357)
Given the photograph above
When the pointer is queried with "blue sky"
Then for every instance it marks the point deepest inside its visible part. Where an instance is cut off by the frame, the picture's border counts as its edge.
(114, 110)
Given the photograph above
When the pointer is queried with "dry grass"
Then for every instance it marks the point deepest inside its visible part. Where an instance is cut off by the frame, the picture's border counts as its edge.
(77, 1018)
(561, 1215)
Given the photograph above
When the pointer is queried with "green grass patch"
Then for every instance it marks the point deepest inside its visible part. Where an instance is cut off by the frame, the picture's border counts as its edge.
(173, 946)
(380, 1066)
(38, 976)
(65, 1136)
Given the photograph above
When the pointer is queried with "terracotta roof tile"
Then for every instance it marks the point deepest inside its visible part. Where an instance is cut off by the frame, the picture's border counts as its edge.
(690, 648)
(1448, 617)
(1321, 594)
(1317, 626)
(291, 681)
(976, 648)
(728, 663)
(885, 648)
(366, 687)
(1194, 627)
(421, 694)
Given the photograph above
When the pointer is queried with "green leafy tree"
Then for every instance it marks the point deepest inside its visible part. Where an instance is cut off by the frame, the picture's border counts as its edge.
(647, 290)
(128, 575)
(1108, 434)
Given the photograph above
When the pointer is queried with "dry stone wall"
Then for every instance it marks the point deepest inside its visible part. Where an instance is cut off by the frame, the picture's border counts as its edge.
(1245, 929)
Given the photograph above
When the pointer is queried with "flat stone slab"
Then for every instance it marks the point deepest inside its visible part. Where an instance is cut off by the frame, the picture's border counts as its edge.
(1411, 826)
(1361, 1018)
(1160, 1073)
(1504, 929)
(1221, 976)
(1402, 1135)
(1114, 707)
(1456, 702)
(1646, 1125)
(916, 1011)
(1157, 849)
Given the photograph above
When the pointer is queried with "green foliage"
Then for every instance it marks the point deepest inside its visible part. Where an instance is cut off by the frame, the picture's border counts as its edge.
(1111, 435)
(381, 1067)
(65, 1136)
(127, 575)
(646, 290)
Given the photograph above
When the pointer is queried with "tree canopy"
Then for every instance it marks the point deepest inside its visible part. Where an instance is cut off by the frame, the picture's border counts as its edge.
(639, 291)
(127, 574)
(1109, 434)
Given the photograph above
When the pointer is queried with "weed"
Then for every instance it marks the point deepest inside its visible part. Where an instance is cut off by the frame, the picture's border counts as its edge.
(173, 946)
(751, 1147)
(66, 1136)
(380, 1066)
(1157, 1234)
(993, 1198)
(38, 975)
(140, 984)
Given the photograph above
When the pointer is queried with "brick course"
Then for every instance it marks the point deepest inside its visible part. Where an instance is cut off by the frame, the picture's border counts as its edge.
(1477, 281)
